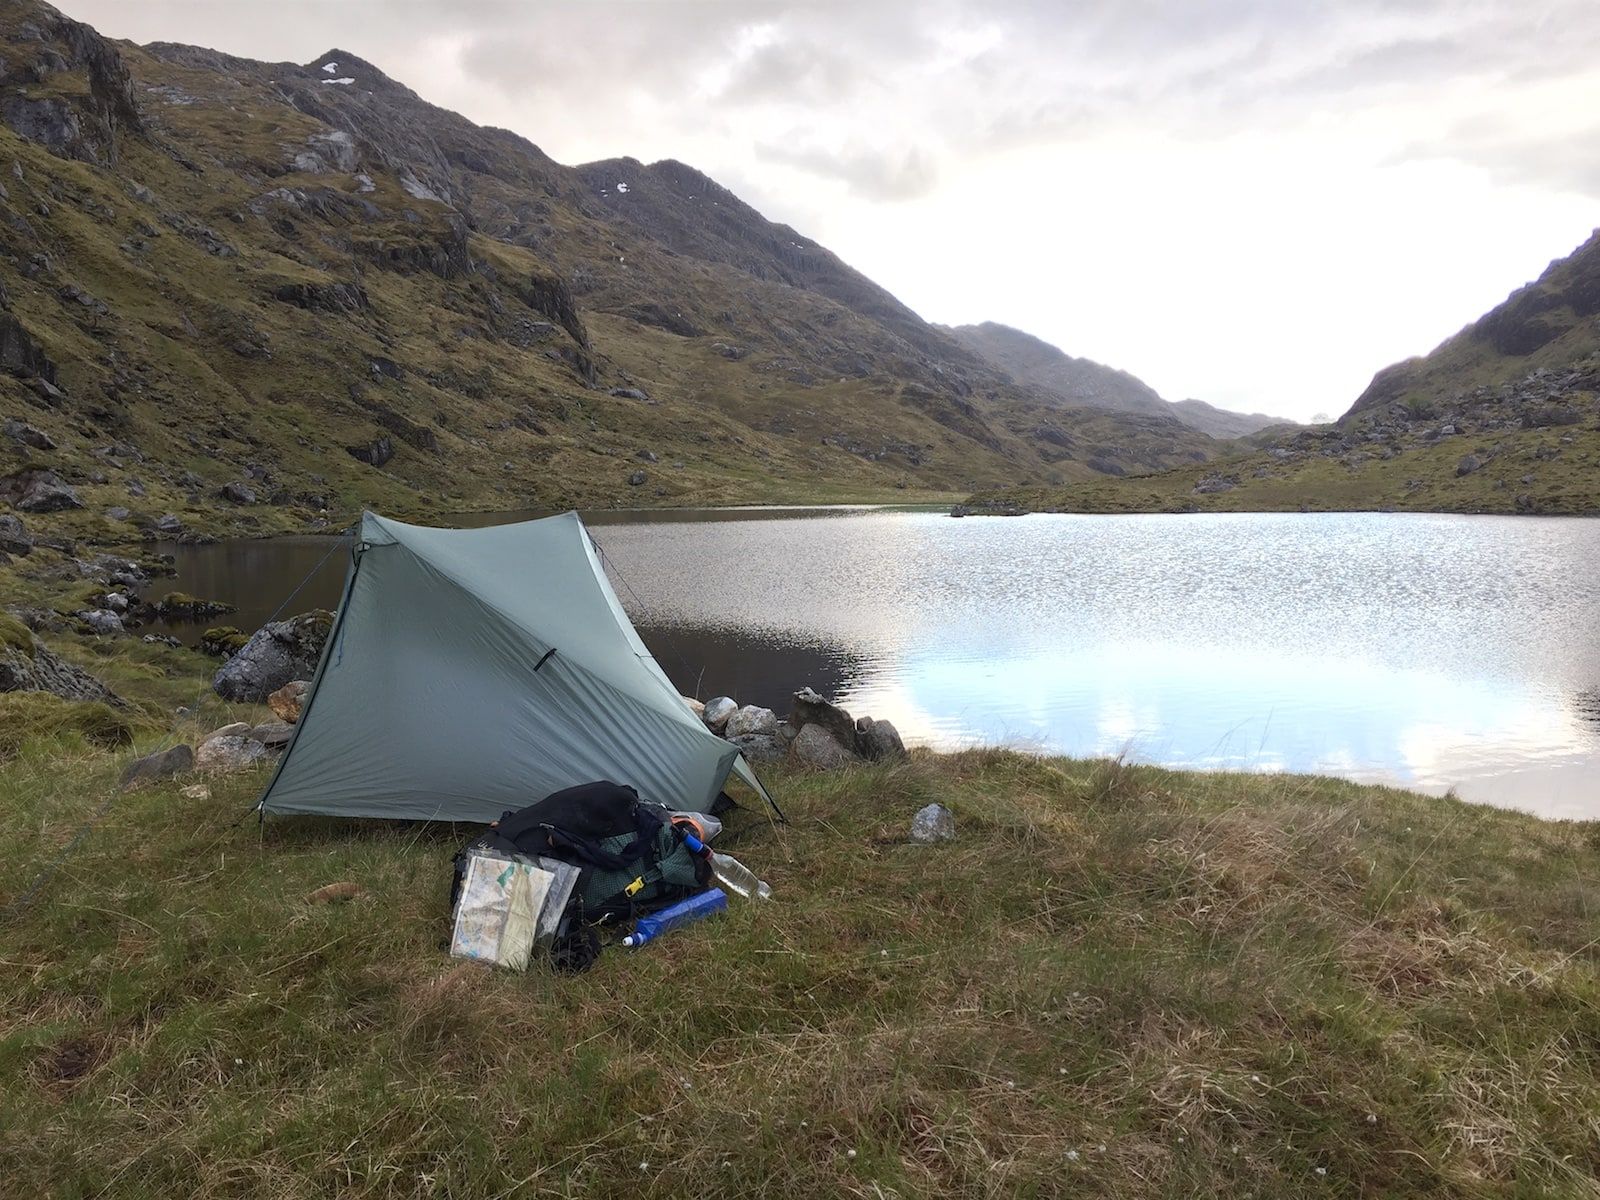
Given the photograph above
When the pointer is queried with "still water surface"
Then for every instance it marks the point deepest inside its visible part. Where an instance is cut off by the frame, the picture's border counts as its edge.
(1434, 652)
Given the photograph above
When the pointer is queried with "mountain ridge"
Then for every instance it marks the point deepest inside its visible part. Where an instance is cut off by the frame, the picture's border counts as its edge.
(1030, 359)
(316, 282)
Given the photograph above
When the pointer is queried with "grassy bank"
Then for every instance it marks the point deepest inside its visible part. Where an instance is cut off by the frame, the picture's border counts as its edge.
(1116, 982)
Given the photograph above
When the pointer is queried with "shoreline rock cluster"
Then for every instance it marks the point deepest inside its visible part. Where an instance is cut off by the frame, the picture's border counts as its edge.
(817, 734)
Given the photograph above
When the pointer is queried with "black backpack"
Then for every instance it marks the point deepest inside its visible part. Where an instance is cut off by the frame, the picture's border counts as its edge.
(630, 856)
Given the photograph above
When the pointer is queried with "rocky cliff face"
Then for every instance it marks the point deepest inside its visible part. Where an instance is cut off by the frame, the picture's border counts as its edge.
(307, 281)
(1081, 381)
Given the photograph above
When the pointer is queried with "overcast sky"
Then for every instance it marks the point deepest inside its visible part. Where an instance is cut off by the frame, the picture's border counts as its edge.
(1255, 202)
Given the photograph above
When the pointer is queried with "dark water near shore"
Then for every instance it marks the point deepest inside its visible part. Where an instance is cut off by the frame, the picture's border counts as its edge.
(1433, 652)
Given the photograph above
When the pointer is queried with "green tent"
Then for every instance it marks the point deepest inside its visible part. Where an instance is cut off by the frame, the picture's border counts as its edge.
(474, 670)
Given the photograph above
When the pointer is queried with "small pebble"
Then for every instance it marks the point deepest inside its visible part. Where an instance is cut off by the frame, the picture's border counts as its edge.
(1072, 1156)
(1322, 1170)
(849, 1153)
(238, 1062)
(1372, 1118)
(644, 1166)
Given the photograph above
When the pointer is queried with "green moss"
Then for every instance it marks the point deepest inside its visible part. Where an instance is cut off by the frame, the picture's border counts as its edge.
(29, 716)
(14, 635)
(223, 639)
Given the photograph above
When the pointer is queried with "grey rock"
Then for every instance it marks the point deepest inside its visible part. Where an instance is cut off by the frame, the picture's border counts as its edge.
(101, 620)
(718, 711)
(42, 671)
(815, 747)
(274, 735)
(238, 493)
(648, 456)
(229, 753)
(164, 764)
(117, 513)
(117, 602)
(935, 823)
(812, 709)
(751, 720)
(637, 478)
(1213, 483)
(762, 747)
(18, 431)
(14, 536)
(168, 523)
(879, 740)
(1468, 464)
(38, 491)
(628, 393)
(1447, 431)
(276, 654)
(374, 453)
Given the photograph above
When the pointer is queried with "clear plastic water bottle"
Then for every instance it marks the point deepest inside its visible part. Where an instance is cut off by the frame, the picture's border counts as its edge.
(737, 878)
(730, 872)
(695, 908)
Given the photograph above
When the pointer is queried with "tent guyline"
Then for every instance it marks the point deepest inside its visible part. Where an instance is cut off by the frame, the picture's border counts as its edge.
(469, 671)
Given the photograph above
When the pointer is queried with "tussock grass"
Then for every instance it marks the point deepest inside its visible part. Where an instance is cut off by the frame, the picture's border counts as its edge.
(1118, 981)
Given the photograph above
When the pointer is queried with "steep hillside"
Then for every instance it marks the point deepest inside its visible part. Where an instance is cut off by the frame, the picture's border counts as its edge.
(261, 296)
(1550, 324)
(1080, 381)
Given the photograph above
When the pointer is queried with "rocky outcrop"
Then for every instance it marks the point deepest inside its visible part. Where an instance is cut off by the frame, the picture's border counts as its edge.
(374, 453)
(72, 124)
(38, 491)
(27, 665)
(20, 355)
(14, 536)
(818, 734)
(277, 654)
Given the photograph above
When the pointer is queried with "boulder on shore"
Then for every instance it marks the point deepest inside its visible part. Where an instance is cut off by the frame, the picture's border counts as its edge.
(751, 720)
(812, 709)
(762, 747)
(278, 653)
(288, 701)
(814, 746)
(878, 740)
(717, 711)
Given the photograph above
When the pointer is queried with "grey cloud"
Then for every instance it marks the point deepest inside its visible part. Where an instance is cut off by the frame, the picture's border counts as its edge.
(1564, 161)
(794, 71)
(871, 174)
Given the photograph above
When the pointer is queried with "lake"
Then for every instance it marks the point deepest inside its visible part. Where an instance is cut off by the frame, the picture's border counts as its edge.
(1434, 652)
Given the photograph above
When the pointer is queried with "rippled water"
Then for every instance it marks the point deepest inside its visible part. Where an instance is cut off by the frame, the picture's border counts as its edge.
(1435, 652)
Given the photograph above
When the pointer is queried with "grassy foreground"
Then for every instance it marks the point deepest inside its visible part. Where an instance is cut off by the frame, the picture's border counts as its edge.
(1118, 981)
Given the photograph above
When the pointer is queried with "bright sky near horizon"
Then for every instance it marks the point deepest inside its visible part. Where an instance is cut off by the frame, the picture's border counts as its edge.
(1258, 203)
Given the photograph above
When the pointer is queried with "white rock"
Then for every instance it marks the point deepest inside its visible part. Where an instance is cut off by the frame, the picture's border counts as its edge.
(750, 720)
(229, 754)
(935, 823)
(717, 711)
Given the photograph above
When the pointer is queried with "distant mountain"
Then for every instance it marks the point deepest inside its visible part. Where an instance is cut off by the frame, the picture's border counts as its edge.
(306, 280)
(1223, 422)
(1081, 381)
(1504, 417)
